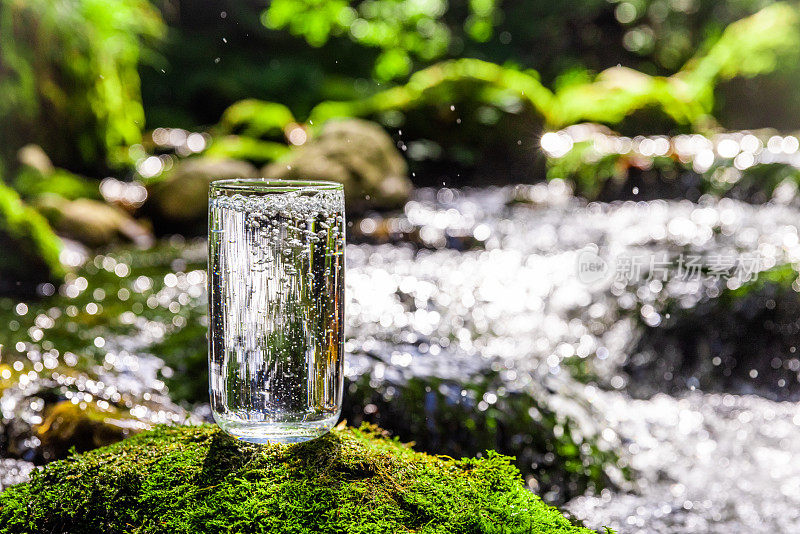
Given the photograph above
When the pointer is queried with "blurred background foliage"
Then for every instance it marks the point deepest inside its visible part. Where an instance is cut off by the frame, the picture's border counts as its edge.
(74, 63)
(69, 78)
(71, 73)
(464, 89)
(340, 50)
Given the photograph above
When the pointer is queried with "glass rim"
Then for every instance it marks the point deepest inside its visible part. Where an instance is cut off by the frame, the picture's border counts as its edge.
(265, 185)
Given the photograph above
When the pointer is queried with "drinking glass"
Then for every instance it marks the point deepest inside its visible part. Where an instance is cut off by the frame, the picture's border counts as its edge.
(276, 307)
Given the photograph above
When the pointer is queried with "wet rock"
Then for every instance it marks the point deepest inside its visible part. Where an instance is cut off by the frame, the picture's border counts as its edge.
(358, 154)
(196, 478)
(85, 427)
(36, 249)
(92, 222)
(87, 344)
(180, 201)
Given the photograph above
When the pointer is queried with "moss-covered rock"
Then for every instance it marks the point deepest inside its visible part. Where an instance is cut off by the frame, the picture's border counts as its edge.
(356, 153)
(555, 445)
(198, 479)
(180, 200)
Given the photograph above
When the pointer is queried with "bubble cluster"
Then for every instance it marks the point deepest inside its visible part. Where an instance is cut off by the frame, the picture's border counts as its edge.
(276, 310)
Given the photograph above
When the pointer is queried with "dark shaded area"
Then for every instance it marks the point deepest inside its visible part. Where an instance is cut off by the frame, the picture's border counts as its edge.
(744, 342)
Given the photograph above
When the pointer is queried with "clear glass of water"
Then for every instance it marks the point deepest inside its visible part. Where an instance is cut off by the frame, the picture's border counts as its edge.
(276, 307)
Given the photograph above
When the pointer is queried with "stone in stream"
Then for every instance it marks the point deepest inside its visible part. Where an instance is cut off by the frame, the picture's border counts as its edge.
(73, 369)
(198, 479)
(356, 153)
(68, 425)
(179, 201)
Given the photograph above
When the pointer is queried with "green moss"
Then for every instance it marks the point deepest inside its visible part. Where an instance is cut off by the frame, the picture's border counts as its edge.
(25, 231)
(198, 479)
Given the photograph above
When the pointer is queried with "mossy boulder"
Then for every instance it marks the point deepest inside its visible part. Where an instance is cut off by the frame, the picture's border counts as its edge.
(555, 443)
(198, 479)
(356, 153)
(180, 200)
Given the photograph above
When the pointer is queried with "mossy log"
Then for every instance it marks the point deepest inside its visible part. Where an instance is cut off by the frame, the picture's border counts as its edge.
(198, 479)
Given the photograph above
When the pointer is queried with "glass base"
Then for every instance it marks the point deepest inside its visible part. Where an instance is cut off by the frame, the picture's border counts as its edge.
(263, 432)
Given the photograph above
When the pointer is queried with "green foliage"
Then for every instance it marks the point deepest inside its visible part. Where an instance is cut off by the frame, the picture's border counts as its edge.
(69, 77)
(246, 148)
(31, 182)
(254, 118)
(666, 34)
(587, 178)
(784, 276)
(399, 29)
(684, 99)
(756, 184)
(594, 175)
(754, 45)
(198, 479)
(444, 84)
(36, 249)
(654, 35)
(618, 96)
(252, 130)
(353, 55)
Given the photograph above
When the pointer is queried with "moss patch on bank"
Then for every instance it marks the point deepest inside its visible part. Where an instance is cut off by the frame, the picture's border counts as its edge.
(198, 479)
